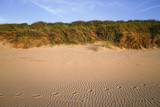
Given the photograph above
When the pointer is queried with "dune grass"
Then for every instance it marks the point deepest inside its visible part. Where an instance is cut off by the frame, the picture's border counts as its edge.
(109, 45)
(131, 34)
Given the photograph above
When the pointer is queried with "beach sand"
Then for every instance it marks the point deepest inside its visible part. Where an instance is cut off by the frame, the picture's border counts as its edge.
(77, 76)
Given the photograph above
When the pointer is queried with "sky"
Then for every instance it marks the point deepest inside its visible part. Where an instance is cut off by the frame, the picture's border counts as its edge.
(30, 11)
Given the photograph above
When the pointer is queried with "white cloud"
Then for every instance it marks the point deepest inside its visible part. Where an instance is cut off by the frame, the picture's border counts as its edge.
(47, 8)
(2, 20)
(149, 8)
(59, 7)
(115, 3)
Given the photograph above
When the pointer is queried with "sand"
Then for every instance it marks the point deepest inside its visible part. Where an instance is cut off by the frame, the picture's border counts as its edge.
(79, 76)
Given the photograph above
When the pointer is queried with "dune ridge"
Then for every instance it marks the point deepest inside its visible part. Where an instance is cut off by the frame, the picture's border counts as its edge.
(135, 34)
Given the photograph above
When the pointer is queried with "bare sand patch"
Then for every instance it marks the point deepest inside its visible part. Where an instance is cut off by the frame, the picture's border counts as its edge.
(79, 76)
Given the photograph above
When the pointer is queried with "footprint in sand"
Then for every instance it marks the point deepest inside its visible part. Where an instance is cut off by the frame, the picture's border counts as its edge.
(155, 85)
(37, 60)
(36, 95)
(107, 89)
(119, 87)
(25, 58)
(134, 87)
(90, 90)
(18, 94)
(74, 92)
(55, 93)
(143, 85)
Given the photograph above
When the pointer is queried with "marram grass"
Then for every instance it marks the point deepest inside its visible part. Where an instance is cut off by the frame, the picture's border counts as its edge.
(131, 34)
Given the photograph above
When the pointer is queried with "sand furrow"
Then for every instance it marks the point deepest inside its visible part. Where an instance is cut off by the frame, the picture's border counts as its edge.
(74, 76)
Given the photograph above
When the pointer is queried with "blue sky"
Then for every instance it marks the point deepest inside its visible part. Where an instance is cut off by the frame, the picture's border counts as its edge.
(29, 11)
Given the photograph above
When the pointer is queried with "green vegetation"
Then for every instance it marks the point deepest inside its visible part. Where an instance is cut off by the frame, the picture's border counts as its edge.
(131, 34)
(109, 45)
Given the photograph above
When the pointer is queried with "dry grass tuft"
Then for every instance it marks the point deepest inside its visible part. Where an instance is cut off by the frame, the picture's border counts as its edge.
(95, 48)
(108, 45)
(134, 40)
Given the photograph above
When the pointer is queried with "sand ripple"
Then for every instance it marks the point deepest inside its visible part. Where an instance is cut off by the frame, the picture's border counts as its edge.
(77, 77)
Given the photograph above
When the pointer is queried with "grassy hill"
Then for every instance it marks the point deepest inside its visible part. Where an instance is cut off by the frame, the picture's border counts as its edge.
(131, 34)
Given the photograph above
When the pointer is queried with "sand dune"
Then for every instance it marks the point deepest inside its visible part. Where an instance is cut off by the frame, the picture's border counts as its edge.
(78, 76)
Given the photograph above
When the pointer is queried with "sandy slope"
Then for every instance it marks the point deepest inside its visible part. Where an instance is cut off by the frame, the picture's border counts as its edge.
(77, 76)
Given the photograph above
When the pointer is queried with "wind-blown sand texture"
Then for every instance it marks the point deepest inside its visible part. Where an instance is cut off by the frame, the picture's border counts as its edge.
(77, 76)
